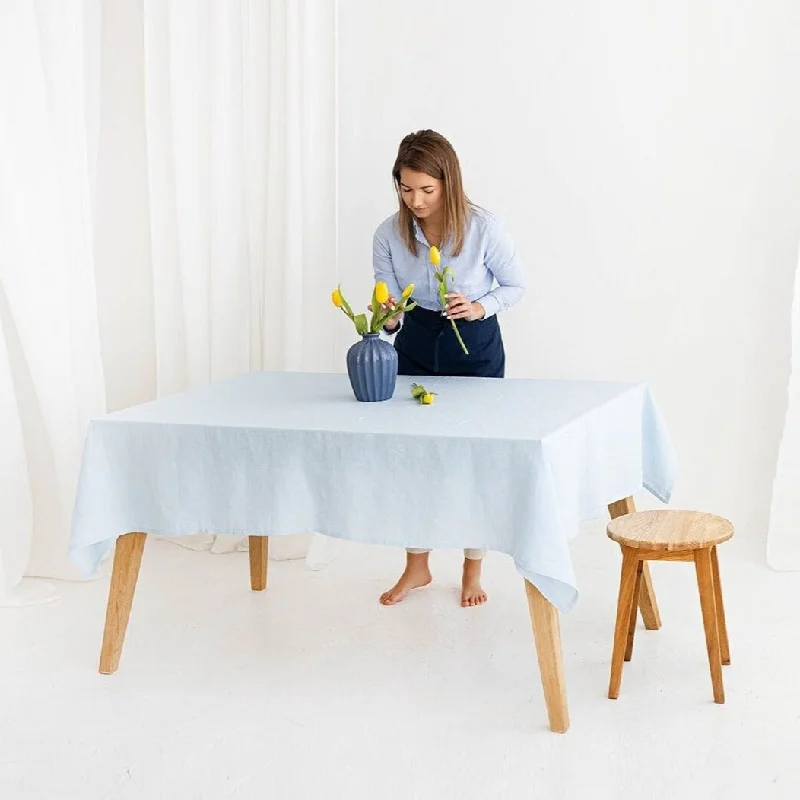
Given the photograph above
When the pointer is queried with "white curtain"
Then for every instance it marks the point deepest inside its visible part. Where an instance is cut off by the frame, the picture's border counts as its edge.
(167, 218)
(240, 152)
(51, 379)
(783, 537)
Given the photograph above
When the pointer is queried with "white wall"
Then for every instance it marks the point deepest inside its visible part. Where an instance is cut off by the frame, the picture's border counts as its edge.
(646, 156)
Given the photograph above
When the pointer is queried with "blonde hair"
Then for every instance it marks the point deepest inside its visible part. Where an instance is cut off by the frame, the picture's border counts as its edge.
(429, 152)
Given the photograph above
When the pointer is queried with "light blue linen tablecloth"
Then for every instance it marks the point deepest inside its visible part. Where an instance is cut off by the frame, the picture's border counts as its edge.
(510, 465)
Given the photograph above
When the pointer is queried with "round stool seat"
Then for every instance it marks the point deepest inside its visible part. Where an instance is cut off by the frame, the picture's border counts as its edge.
(670, 530)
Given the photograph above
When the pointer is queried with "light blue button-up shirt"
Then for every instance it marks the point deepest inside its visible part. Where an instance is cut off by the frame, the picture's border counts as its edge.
(487, 256)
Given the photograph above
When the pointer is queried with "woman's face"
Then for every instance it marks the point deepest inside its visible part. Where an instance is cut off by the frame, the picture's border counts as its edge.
(421, 193)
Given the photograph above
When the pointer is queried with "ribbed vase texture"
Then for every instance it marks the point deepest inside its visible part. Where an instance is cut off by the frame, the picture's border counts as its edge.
(372, 367)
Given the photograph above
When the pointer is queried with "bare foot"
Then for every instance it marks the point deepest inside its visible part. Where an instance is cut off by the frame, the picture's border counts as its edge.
(417, 574)
(472, 593)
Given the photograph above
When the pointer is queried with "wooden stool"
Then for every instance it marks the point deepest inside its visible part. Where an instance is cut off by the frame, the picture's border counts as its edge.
(670, 536)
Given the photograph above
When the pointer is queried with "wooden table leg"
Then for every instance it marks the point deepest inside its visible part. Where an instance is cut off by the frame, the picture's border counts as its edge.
(647, 598)
(127, 559)
(547, 636)
(259, 551)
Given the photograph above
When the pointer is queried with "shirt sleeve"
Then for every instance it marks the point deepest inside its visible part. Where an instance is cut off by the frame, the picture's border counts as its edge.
(382, 266)
(501, 260)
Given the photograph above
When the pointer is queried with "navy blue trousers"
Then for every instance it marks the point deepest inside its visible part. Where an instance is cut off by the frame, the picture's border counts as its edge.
(427, 345)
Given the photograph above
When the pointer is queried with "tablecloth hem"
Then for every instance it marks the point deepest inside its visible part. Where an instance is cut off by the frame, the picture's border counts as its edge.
(664, 495)
(557, 592)
(562, 595)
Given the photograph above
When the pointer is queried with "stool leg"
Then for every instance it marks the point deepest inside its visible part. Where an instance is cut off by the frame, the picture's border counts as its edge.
(627, 598)
(647, 601)
(724, 647)
(637, 589)
(705, 584)
(647, 597)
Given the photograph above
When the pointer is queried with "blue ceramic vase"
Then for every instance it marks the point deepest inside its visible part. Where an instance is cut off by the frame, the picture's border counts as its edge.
(372, 368)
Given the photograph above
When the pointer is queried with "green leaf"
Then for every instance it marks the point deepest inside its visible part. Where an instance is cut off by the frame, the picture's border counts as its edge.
(362, 326)
(346, 305)
(400, 309)
(383, 320)
(380, 321)
(376, 311)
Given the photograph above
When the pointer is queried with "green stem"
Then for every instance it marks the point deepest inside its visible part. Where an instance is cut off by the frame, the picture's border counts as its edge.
(458, 336)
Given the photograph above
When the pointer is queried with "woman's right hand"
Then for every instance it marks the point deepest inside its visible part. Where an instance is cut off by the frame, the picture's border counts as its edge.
(386, 307)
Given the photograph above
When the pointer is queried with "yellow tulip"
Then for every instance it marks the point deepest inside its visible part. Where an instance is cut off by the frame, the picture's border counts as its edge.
(435, 256)
(407, 291)
(427, 398)
(336, 297)
(381, 292)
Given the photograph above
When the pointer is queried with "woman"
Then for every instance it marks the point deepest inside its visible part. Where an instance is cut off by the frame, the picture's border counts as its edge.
(435, 211)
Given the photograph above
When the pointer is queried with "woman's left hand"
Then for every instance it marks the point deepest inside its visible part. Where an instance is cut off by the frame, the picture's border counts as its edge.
(460, 307)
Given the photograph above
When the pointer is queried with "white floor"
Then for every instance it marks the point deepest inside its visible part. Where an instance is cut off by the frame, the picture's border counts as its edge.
(313, 690)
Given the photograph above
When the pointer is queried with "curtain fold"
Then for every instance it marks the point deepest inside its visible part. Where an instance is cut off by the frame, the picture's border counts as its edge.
(52, 379)
(167, 218)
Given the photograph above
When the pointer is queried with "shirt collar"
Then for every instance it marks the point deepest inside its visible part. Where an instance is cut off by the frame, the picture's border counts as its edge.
(420, 236)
